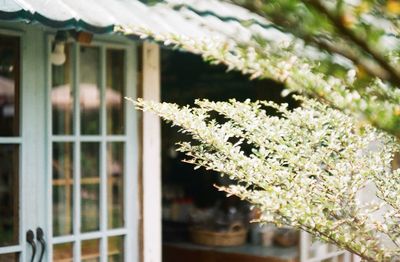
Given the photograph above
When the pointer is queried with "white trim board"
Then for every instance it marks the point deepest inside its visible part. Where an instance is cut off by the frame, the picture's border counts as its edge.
(151, 156)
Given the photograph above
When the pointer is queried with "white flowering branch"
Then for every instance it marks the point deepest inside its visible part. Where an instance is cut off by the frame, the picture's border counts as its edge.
(377, 102)
(306, 168)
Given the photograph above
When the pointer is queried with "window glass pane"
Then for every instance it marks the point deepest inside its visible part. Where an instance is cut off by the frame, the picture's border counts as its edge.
(89, 90)
(63, 252)
(90, 180)
(11, 257)
(62, 188)
(115, 91)
(62, 97)
(115, 187)
(90, 250)
(9, 86)
(9, 194)
(116, 249)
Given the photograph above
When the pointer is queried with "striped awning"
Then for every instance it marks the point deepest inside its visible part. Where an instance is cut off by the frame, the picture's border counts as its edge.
(192, 18)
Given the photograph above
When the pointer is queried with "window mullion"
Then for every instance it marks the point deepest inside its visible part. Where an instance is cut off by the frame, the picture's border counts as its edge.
(103, 156)
(102, 83)
(77, 148)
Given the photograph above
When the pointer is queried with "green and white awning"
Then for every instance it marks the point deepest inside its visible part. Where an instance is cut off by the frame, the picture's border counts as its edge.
(192, 18)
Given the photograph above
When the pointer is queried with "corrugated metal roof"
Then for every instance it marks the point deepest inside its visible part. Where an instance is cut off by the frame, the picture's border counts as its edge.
(192, 18)
(223, 10)
(227, 19)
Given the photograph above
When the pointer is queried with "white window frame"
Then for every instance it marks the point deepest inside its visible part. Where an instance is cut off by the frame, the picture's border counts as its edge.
(130, 162)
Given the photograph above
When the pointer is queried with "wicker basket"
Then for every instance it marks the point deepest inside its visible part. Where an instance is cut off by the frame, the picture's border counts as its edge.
(235, 236)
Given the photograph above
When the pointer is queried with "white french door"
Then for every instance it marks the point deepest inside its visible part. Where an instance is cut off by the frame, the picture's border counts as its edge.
(21, 153)
(11, 228)
(68, 151)
(91, 200)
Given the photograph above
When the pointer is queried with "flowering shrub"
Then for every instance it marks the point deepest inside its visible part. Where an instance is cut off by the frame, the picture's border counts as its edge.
(306, 168)
(344, 53)
(309, 167)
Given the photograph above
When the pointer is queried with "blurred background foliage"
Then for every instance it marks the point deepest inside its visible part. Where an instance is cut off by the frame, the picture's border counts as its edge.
(356, 39)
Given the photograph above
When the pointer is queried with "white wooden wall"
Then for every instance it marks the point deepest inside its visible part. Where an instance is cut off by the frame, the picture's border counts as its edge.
(320, 252)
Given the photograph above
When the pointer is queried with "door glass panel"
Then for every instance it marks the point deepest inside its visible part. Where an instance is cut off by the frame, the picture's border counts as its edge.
(89, 90)
(115, 91)
(99, 148)
(90, 250)
(62, 99)
(11, 257)
(63, 252)
(116, 249)
(9, 86)
(115, 187)
(62, 188)
(90, 181)
(9, 194)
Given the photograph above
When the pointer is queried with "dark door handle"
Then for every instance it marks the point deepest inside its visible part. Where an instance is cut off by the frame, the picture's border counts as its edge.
(30, 238)
(40, 238)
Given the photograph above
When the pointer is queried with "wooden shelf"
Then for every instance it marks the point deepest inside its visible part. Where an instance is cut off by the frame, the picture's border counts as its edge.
(180, 252)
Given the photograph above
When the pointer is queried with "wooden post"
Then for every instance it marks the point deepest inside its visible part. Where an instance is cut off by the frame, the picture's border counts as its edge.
(150, 179)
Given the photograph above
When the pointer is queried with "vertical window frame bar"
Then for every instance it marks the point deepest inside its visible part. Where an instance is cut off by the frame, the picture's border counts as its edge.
(129, 151)
(77, 153)
(103, 157)
(49, 154)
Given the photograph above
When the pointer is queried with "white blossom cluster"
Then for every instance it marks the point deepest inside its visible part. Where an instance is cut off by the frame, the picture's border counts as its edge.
(305, 167)
(377, 102)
